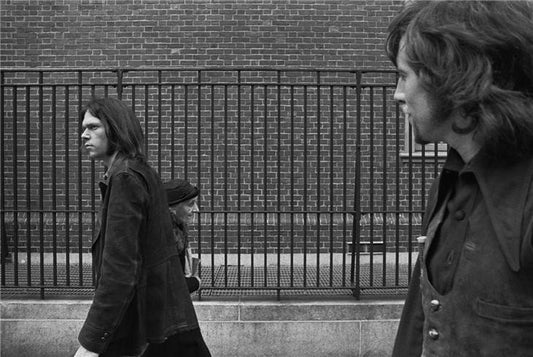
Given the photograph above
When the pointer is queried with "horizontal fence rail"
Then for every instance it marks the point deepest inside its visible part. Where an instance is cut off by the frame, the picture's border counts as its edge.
(310, 181)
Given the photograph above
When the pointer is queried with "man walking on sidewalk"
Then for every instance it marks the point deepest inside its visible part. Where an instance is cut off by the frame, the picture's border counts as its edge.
(140, 292)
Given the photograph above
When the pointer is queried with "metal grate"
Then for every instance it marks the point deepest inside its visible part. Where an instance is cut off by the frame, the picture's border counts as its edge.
(227, 281)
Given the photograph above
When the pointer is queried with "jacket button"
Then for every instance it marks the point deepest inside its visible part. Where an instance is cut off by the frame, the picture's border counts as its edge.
(460, 215)
(435, 305)
(433, 334)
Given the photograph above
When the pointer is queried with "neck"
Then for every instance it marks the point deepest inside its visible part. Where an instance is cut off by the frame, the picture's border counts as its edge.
(466, 148)
(108, 161)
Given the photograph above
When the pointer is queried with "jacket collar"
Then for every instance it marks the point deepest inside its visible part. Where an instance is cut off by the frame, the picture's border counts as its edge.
(504, 188)
(117, 164)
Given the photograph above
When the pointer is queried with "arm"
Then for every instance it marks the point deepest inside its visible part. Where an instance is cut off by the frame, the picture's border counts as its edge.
(191, 268)
(120, 262)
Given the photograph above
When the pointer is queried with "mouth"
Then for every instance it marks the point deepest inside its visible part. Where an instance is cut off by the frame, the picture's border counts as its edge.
(405, 112)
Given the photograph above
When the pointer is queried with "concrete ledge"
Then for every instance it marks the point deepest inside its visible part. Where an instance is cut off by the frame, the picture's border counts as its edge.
(233, 328)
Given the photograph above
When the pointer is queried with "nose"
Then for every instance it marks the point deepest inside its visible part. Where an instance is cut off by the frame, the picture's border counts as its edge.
(85, 134)
(399, 93)
(195, 208)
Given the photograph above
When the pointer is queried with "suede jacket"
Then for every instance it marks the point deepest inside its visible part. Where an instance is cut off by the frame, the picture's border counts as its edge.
(489, 309)
(140, 290)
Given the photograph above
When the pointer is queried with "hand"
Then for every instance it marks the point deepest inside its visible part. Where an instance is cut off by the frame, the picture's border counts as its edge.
(195, 267)
(83, 352)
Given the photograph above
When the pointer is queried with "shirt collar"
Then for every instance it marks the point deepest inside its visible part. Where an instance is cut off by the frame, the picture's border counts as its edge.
(504, 187)
(115, 166)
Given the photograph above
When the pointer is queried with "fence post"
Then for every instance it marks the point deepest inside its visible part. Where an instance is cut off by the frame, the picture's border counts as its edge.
(120, 74)
(356, 230)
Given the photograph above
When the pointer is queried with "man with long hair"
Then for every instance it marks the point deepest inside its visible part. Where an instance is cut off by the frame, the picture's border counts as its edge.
(466, 79)
(140, 291)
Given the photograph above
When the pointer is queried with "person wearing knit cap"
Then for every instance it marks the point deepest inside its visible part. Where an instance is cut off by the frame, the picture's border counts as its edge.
(182, 199)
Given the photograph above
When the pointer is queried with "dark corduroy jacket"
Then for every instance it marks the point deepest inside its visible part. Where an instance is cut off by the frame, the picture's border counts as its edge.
(140, 292)
(489, 309)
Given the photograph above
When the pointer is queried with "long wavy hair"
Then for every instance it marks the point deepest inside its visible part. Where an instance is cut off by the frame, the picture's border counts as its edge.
(122, 127)
(475, 57)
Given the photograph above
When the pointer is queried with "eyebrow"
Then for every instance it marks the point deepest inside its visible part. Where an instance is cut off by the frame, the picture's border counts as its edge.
(90, 123)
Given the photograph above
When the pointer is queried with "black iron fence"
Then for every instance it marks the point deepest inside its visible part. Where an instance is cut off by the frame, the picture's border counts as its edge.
(310, 182)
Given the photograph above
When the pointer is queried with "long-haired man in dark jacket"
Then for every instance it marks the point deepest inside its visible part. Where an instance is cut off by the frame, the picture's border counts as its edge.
(466, 79)
(140, 293)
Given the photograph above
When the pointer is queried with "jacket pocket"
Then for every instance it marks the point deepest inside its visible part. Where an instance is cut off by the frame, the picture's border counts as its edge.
(504, 313)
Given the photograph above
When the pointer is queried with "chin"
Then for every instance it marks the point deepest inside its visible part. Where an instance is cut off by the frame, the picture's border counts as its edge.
(420, 140)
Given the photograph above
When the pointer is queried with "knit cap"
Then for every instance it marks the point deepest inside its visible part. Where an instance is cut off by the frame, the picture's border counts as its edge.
(180, 190)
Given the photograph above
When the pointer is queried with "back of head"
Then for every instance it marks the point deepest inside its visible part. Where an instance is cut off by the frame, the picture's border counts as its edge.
(122, 127)
(476, 57)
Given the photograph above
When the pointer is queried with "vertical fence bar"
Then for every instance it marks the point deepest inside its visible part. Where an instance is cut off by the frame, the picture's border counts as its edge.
(3, 232)
(225, 87)
(133, 99)
(239, 187)
(398, 221)
(305, 210)
(292, 212)
(41, 186)
(318, 167)
(146, 131)
(54, 184)
(172, 127)
(409, 195)
(199, 173)
(331, 185)
(385, 193)
(159, 121)
(278, 203)
(120, 78)
(67, 185)
(355, 263)
(252, 185)
(185, 128)
(80, 182)
(213, 223)
(15, 188)
(371, 187)
(344, 179)
(28, 184)
(265, 183)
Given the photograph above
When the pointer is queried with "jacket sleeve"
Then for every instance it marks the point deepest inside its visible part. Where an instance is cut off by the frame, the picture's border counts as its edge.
(410, 331)
(120, 261)
(192, 283)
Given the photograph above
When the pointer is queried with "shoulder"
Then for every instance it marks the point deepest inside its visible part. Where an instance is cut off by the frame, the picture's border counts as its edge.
(132, 174)
(135, 168)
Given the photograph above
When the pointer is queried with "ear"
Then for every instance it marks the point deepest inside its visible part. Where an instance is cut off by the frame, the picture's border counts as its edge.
(463, 124)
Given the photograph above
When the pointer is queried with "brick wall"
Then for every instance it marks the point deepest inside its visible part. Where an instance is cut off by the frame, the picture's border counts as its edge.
(107, 33)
